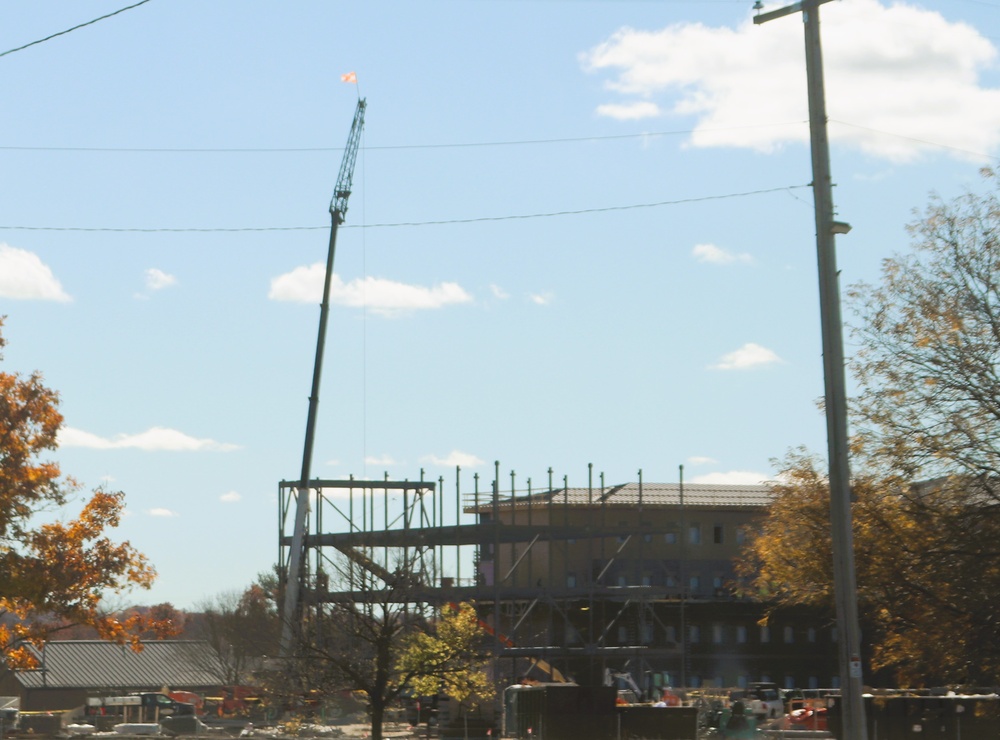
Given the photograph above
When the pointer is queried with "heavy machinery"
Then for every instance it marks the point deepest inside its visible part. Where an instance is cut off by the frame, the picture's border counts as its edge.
(295, 572)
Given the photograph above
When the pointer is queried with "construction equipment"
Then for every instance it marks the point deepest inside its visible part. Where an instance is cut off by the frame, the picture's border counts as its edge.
(296, 571)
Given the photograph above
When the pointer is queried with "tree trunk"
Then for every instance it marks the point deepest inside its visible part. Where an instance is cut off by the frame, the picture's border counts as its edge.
(378, 712)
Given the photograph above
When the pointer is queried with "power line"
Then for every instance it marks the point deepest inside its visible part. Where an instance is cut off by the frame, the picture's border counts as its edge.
(74, 28)
(445, 222)
(460, 145)
(913, 139)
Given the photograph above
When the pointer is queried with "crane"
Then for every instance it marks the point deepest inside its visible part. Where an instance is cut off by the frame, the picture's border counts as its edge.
(295, 573)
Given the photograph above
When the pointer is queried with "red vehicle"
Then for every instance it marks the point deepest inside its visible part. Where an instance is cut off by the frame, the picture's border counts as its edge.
(808, 717)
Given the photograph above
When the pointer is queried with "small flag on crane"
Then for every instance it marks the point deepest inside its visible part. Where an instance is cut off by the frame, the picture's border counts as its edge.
(349, 77)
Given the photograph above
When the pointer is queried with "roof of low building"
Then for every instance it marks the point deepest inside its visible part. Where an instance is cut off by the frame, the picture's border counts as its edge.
(648, 494)
(100, 664)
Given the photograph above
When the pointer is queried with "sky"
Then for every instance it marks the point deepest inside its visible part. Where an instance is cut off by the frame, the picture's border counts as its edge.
(579, 233)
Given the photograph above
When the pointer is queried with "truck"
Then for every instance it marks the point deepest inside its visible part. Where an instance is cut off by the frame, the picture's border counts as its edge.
(145, 707)
(765, 700)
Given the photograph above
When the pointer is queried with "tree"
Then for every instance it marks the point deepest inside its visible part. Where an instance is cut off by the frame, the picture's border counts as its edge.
(926, 421)
(450, 660)
(928, 401)
(57, 574)
(374, 636)
(242, 629)
(927, 570)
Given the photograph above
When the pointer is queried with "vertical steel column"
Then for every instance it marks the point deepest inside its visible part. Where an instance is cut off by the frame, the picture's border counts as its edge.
(683, 577)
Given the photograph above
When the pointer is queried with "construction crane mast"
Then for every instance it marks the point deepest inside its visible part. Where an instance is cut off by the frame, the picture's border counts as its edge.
(296, 570)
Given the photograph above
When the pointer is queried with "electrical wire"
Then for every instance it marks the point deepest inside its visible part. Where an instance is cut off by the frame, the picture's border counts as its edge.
(386, 147)
(443, 222)
(913, 139)
(74, 28)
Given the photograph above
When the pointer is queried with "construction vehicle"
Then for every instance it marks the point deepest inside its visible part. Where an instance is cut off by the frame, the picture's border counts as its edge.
(296, 569)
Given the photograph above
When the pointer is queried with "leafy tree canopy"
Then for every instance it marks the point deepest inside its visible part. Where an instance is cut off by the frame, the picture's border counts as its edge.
(56, 575)
(926, 447)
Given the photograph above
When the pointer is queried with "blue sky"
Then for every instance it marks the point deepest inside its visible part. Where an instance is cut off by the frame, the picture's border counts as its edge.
(580, 232)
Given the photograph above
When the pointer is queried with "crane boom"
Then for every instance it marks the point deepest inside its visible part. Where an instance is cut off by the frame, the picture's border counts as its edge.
(295, 572)
(338, 206)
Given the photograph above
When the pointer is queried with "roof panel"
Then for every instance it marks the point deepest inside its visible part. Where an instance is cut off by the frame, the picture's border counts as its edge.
(101, 664)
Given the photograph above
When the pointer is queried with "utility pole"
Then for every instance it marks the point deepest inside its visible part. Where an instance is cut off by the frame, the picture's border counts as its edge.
(845, 584)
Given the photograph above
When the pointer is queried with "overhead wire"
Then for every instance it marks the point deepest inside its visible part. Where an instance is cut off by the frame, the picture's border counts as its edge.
(74, 28)
(387, 147)
(441, 222)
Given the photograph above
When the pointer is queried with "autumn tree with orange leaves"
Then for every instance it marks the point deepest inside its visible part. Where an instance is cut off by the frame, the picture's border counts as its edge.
(60, 574)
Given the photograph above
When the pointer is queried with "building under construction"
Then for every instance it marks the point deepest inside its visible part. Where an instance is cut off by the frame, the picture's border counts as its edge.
(631, 582)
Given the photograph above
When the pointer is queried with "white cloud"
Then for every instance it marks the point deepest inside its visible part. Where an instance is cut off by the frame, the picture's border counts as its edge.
(379, 460)
(718, 256)
(629, 111)
(385, 297)
(541, 299)
(896, 69)
(499, 292)
(166, 513)
(747, 356)
(452, 459)
(158, 279)
(230, 497)
(701, 460)
(153, 439)
(733, 477)
(25, 277)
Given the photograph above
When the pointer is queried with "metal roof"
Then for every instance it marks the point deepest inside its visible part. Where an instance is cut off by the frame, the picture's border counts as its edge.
(652, 494)
(101, 664)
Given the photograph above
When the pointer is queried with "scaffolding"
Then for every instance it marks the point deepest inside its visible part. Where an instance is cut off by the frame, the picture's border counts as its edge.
(509, 549)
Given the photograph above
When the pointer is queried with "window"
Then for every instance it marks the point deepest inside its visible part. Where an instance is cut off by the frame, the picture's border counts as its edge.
(741, 535)
(647, 633)
(671, 633)
(670, 538)
(789, 682)
(789, 634)
(571, 580)
(741, 633)
(694, 533)
(717, 634)
(813, 682)
(671, 581)
(647, 537)
(717, 582)
(622, 634)
(622, 580)
(834, 637)
(811, 634)
(765, 633)
(647, 579)
(742, 680)
(717, 534)
(624, 527)
(694, 633)
(694, 583)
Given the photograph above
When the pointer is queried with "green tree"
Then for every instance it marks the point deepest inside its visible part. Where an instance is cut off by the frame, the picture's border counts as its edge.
(450, 658)
(59, 574)
(374, 636)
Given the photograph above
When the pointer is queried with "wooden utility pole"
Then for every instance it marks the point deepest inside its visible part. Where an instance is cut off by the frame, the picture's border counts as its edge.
(845, 583)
